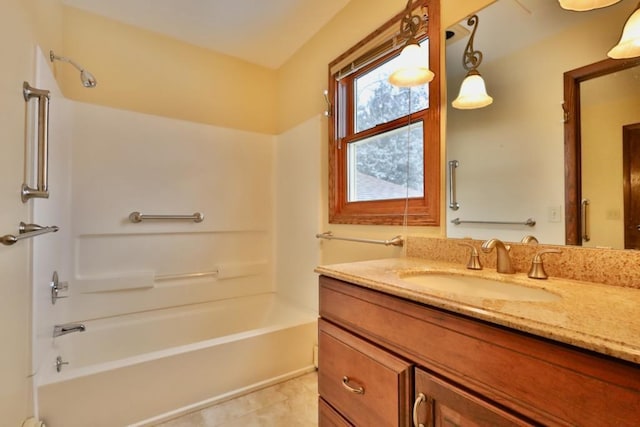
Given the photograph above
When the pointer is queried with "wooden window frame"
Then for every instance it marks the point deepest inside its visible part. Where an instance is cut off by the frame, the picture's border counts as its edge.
(415, 211)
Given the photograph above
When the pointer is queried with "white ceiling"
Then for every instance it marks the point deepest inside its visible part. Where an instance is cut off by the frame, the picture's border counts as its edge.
(264, 32)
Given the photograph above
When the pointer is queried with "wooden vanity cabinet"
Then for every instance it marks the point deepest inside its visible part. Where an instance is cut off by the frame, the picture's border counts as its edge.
(365, 384)
(439, 403)
(472, 373)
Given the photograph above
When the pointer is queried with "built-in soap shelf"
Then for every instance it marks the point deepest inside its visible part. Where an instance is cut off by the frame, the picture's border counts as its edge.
(148, 279)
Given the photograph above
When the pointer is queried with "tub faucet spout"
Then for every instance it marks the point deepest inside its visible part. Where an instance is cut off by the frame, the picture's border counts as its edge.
(503, 261)
(59, 330)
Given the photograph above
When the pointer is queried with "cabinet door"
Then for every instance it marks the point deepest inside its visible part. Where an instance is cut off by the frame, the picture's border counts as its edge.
(440, 404)
(367, 385)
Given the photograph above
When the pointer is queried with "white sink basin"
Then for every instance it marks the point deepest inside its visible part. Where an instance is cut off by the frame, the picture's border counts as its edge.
(479, 287)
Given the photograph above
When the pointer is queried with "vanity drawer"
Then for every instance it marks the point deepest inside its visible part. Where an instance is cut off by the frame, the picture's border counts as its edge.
(366, 384)
(329, 417)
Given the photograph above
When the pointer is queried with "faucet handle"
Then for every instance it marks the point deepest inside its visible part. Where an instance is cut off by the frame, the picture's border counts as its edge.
(474, 259)
(537, 268)
(529, 239)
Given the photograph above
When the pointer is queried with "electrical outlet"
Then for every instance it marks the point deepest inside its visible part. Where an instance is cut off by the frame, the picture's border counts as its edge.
(554, 213)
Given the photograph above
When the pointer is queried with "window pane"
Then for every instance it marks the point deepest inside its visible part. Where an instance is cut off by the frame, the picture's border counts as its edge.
(377, 101)
(380, 167)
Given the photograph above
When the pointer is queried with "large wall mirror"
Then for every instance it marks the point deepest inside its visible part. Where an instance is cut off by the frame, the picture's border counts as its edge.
(511, 154)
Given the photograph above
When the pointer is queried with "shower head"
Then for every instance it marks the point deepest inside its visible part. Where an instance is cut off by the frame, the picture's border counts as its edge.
(88, 80)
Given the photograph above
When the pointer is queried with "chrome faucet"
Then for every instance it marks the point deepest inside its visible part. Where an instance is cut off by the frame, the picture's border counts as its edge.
(503, 261)
(59, 330)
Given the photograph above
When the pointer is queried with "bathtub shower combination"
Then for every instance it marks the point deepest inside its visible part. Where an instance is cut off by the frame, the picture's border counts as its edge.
(149, 366)
(157, 311)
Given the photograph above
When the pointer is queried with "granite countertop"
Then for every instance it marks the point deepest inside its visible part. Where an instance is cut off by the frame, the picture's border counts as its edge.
(601, 318)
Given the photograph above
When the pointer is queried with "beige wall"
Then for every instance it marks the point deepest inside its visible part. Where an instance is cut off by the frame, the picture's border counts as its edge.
(301, 82)
(143, 71)
(602, 116)
(146, 72)
(21, 24)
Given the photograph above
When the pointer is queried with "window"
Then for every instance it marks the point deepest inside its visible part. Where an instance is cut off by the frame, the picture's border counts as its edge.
(384, 152)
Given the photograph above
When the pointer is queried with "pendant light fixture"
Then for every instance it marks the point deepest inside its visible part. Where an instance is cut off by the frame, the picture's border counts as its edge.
(413, 64)
(629, 44)
(583, 5)
(473, 92)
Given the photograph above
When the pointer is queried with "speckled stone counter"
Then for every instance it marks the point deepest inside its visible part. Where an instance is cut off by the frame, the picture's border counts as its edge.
(593, 316)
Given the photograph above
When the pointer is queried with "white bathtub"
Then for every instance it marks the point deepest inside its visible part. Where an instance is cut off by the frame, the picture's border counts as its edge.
(142, 368)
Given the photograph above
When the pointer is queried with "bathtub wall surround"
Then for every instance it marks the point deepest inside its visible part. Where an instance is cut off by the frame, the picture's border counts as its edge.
(614, 267)
(203, 297)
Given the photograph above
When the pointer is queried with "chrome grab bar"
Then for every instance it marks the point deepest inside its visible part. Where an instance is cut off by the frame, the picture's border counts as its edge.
(41, 189)
(27, 231)
(584, 220)
(396, 241)
(186, 275)
(530, 222)
(136, 217)
(453, 203)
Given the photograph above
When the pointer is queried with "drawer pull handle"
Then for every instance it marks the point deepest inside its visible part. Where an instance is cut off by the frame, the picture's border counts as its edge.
(345, 384)
(419, 400)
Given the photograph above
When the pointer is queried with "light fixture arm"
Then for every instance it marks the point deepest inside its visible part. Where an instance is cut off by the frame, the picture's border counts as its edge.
(472, 58)
(410, 24)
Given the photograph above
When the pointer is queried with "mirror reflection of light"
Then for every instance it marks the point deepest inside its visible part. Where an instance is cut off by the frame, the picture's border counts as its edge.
(582, 5)
(473, 93)
(629, 44)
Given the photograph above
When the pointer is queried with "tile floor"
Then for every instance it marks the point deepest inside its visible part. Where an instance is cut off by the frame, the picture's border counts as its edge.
(291, 403)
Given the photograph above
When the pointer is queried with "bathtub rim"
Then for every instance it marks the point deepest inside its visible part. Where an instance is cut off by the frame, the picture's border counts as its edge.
(48, 375)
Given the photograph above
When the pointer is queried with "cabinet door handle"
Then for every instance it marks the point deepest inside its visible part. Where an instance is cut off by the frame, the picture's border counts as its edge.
(345, 384)
(419, 400)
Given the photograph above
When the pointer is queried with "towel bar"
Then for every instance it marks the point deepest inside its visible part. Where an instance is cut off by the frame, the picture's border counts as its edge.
(396, 241)
(136, 217)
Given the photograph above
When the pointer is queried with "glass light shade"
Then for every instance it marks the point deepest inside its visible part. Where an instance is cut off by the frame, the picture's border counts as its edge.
(413, 68)
(582, 5)
(473, 93)
(629, 44)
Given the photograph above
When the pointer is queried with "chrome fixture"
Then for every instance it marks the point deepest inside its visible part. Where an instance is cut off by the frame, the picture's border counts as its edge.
(358, 389)
(186, 275)
(88, 80)
(59, 363)
(584, 220)
(138, 217)
(413, 68)
(503, 261)
(453, 203)
(629, 44)
(41, 190)
(27, 231)
(56, 287)
(474, 258)
(396, 241)
(473, 91)
(529, 222)
(529, 239)
(537, 268)
(68, 328)
(327, 112)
